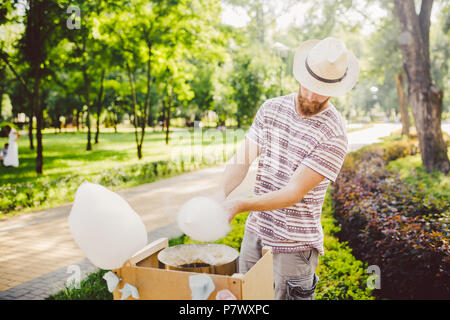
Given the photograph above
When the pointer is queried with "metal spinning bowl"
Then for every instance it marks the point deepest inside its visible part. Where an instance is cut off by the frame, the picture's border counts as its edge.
(200, 257)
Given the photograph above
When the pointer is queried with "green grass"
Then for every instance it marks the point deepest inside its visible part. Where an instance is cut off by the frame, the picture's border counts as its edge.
(65, 153)
(93, 287)
(435, 184)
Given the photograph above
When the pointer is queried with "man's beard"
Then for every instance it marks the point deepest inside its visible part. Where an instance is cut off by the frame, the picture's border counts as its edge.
(309, 109)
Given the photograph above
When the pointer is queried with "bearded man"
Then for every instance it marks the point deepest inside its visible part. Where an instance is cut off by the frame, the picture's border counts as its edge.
(301, 142)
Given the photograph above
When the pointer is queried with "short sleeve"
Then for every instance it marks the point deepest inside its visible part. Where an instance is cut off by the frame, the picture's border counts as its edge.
(327, 158)
(256, 131)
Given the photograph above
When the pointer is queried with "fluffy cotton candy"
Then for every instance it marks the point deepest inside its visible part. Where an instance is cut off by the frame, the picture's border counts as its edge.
(105, 227)
(203, 219)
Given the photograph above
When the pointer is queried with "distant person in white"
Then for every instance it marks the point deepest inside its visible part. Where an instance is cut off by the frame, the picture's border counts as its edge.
(3, 152)
(12, 157)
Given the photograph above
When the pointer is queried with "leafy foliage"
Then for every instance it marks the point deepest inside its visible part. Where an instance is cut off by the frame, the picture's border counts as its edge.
(342, 276)
(91, 288)
(394, 225)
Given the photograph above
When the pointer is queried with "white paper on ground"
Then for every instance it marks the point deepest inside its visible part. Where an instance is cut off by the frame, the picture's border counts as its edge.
(105, 227)
(203, 219)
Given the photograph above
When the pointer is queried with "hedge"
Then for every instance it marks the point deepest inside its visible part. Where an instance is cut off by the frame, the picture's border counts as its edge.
(391, 224)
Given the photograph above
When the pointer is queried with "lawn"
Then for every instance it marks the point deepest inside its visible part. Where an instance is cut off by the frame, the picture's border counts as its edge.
(411, 171)
(65, 153)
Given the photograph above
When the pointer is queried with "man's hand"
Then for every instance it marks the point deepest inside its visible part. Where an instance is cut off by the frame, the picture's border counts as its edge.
(232, 207)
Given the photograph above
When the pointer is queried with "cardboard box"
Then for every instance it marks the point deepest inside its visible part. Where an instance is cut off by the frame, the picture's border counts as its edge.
(153, 282)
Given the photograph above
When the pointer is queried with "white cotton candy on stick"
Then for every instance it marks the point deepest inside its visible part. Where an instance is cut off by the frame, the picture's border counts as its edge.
(203, 219)
(105, 227)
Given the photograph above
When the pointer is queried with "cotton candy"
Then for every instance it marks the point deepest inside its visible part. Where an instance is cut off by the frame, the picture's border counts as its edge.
(203, 219)
(105, 227)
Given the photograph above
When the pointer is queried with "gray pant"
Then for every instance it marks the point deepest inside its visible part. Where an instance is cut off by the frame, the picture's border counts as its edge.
(293, 273)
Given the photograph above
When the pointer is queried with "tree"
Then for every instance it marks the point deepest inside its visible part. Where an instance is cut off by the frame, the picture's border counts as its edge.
(12, 25)
(44, 28)
(254, 79)
(91, 55)
(424, 96)
(146, 34)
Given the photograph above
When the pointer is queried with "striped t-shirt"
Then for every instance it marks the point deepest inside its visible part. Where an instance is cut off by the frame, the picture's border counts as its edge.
(288, 139)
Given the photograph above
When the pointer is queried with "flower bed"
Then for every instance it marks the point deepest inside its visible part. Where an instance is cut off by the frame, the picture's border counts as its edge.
(394, 225)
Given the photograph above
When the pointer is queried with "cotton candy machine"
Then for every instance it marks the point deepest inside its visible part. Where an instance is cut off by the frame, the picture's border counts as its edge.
(200, 257)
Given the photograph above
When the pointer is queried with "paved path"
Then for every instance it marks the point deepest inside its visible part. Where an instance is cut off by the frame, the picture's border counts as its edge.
(37, 248)
(358, 139)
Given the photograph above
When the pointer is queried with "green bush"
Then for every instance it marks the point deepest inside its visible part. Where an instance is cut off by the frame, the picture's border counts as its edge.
(434, 186)
(93, 287)
(342, 276)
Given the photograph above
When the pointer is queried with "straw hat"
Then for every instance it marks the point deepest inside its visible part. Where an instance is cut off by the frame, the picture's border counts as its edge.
(326, 67)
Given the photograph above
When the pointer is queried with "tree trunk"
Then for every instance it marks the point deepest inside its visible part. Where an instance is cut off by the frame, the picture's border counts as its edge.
(169, 107)
(86, 97)
(87, 102)
(39, 154)
(2, 88)
(164, 118)
(78, 120)
(260, 23)
(99, 105)
(402, 103)
(425, 98)
(39, 120)
(135, 122)
(115, 121)
(147, 96)
(30, 128)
